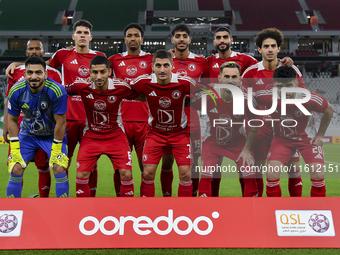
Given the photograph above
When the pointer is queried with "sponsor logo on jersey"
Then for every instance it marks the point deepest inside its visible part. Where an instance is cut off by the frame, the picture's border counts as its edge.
(176, 94)
(44, 105)
(90, 96)
(142, 64)
(131, 70)
(101, 118)
(214, 110)
(121, 63)
(165, 102)
(216, 66)
(100, 105)
(166, 116)
(259, 82)
(74, 61)
(153, 94)
(111, 99)
(192, 67)
(83, 70)
(181, 72)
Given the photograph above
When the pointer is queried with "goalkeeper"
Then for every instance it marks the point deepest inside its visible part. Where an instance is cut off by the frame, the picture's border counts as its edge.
(43, 103)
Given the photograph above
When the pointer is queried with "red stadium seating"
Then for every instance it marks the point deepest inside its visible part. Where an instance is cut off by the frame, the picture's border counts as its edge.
(215, 5)
(330, 12)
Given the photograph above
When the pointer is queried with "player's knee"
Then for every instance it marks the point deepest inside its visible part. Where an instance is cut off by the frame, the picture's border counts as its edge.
(17, 169)
(83, 174)
(125, 174)
(185, 175)
(58, 169)
(149, 172)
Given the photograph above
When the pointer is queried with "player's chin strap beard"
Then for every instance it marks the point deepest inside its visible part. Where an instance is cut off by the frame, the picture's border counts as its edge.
(39, 84)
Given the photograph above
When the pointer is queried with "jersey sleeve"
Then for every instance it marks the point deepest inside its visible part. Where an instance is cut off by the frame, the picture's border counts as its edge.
(317, 103)
(54, 75)
(75, 88)
(246, 79)
(57, 58)
(13, 107)
(60, 103)
(10, 83)
(137, 85)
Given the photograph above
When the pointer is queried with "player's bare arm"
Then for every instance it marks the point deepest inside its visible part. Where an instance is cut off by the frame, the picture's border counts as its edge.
(13, 128)
(325, 120)
(60, 126)
(5, 124)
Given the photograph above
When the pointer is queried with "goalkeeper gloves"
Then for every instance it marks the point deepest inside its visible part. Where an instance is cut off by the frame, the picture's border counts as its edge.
(57, 157)
(15, 156)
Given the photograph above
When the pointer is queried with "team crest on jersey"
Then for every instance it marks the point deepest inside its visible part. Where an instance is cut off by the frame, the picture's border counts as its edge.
(131, 70)
(176, 94)
(44, 105)
(78, 164)
(111, 99)
(83, 70)
(192, 67)
(142, 64)
(165, 102)
(100, 105)
(298, 113)
(181, 72)
(145, 157)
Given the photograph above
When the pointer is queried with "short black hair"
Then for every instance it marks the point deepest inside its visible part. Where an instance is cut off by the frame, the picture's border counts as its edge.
(82, 23)
(34, 39)
(134, 25)
(230, 64)
(162, 54)
(180, 28)
(222, 29)
(272, 33)
(284, 74)
(100, 60)
(35, 61)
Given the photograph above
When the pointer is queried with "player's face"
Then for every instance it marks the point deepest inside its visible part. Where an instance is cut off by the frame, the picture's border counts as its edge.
(181, 40)
(35, 49)
(162, 69)
(230, 76)
(290, 84)
(82, 36)
(100, 75)
(269, 49)
(35, 76)
(133, 39)
(223, 41)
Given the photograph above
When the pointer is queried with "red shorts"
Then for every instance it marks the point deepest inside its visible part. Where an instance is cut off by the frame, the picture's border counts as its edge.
(136, 133)
(179, 142)
(74, 133)
(116, 148)
(212, 152)
(41, 158)
(283, 149)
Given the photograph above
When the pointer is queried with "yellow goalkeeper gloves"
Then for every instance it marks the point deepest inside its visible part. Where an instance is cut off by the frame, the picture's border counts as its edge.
(57, 157)
(15, 156)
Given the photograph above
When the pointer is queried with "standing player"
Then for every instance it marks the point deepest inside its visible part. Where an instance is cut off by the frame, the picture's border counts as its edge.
(102, 100)
(129, 65)
(227, 139)
(260, 77)
(43, 103)
(188, 64)
(297, 136)
(165, 94)
(35, 48)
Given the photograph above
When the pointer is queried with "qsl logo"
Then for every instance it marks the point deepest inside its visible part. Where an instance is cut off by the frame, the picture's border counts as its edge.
(8, 222)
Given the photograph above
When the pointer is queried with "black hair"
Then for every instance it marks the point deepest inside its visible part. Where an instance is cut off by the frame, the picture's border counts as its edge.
(284, 74)
(162, 54)
(82, 23)
(100, 60)
(180, 28)
(35, 61)
(272, 33)
(134, 25)
(222, 29)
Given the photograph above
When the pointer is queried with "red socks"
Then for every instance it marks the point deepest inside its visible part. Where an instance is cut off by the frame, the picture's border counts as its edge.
(116, 182)
(185, 189)
(127, 189)
(93, 182)
(318, 188)
(44, 182)
(147, 188)
(295, 184)
(166, 182)
(273, 188)
(82, 187)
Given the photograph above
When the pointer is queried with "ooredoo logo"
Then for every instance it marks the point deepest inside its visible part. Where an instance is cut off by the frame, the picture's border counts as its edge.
(143, 225)
(10, 223)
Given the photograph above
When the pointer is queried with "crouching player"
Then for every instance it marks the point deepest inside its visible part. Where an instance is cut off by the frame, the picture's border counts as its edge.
(43, 103)
(227, 139)
(104, 133)
(295, 134)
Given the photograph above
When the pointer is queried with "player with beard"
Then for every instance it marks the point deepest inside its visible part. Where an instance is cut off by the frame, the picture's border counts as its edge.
(35, 48)
(127, 66)
(196, 67)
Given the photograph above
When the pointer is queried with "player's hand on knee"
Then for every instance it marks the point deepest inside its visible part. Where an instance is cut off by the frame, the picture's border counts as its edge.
(57, 156)
(15, 156)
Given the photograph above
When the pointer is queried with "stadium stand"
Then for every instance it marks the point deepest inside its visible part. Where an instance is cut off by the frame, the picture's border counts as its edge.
(330, 12)
(205, 5)
(113, 15)
(169, 5)
(160, 28)
(34, 13)
(258, 14)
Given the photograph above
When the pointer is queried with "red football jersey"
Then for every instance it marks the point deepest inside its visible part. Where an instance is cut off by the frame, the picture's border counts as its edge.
(303, 130)
(19, 75)
(259, 78)
(165, 102)
(128, 67)
(102, 107)
(215, 63)
(74, 67)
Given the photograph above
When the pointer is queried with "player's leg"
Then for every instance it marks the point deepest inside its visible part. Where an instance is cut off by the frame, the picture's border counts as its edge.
(195, 138)
(314, 158)
(167, 175)
(41, 161)
(294, 176)
(216, 180)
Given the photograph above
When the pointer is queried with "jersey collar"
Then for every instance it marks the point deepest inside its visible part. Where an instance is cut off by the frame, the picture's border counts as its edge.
(261, 66)
(141, 53)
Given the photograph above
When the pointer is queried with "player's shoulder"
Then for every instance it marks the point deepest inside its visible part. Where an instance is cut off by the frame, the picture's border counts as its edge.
(241, 55)
(95, 52)
(51, 69)
(118, 83)
(196, 57)
(316, 98)
(54, 88)
(20, 68)
(142, 78)
(17, 87)
(251, 69)
(183, 78)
